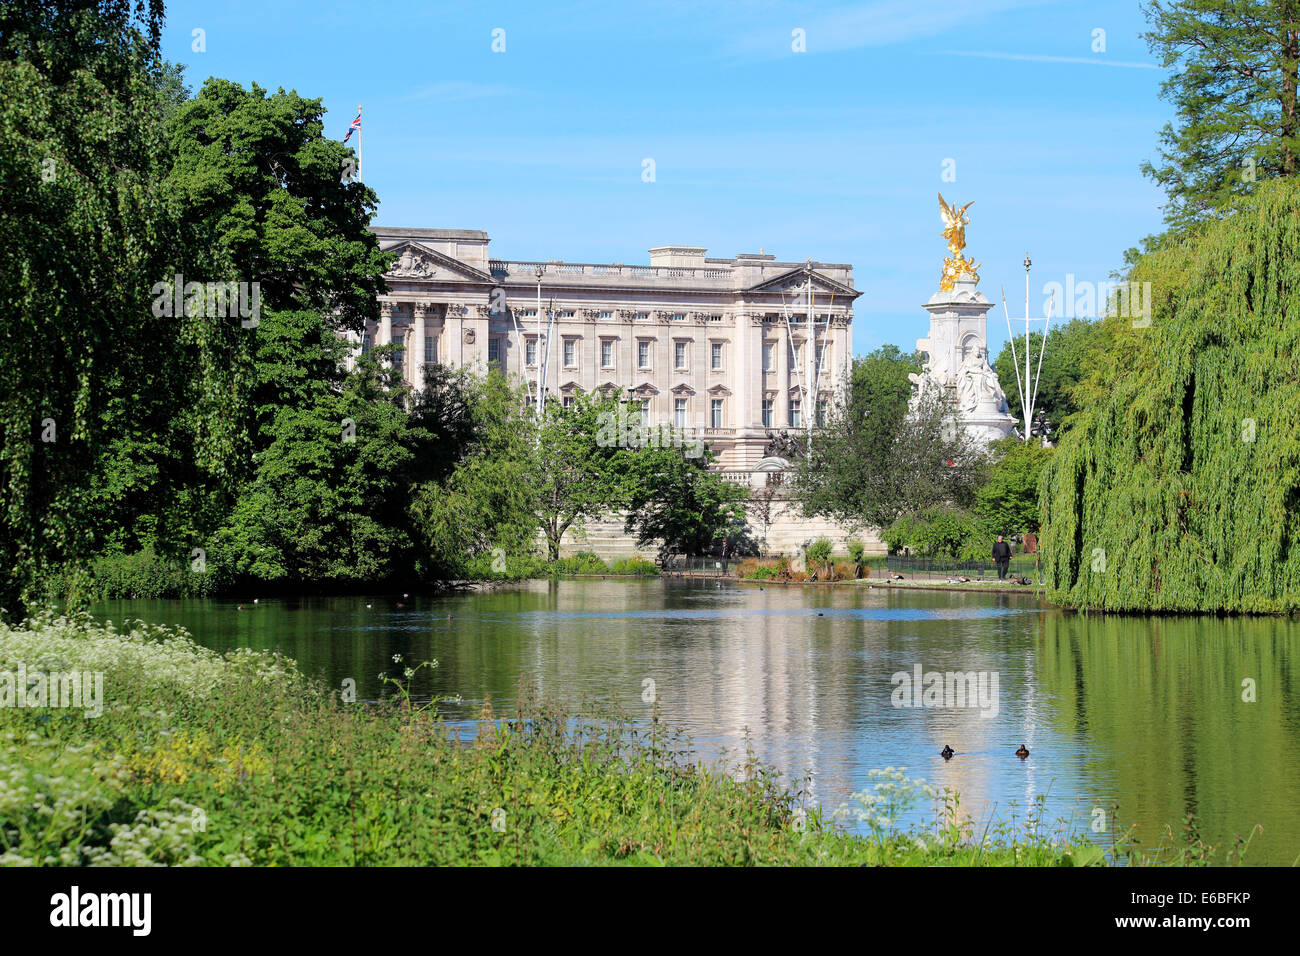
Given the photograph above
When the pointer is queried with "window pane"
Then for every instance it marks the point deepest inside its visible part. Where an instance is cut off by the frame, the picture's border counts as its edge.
(794, 414)
(679, 354)
(607, 354)
(717, 355)
(679, 413)
(767, 413)
(716, 412)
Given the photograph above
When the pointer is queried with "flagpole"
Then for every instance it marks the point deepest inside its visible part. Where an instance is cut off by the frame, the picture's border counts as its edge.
(361, 139)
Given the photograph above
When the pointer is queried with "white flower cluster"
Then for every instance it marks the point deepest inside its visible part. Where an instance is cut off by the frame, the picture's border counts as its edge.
(48, 791)
(893, 794)
(156, 838)
(142, 657)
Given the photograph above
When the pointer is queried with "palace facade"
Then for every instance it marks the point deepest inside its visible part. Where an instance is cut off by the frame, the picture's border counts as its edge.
(724, 349)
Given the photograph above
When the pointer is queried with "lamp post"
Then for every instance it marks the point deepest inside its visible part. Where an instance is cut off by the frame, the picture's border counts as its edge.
(1028, 386)
(537, 342)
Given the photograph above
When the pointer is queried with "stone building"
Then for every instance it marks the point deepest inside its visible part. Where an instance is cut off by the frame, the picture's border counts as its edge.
(721, 348)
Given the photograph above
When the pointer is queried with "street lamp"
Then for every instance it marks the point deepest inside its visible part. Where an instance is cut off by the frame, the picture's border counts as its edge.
(537, 341)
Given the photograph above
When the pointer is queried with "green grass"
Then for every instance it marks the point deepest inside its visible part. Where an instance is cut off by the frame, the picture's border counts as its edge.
(236, 759)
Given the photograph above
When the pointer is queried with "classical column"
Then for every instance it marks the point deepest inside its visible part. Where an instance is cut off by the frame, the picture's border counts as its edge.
(418, 345)
(385, 323)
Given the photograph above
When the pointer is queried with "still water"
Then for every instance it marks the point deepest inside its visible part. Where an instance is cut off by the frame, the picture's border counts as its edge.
(1146, 713)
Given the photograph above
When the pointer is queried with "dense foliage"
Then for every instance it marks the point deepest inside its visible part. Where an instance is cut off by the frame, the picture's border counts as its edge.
(1178, 489)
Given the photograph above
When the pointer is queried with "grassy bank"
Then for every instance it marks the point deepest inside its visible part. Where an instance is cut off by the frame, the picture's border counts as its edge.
(206, 759)
(147, 575)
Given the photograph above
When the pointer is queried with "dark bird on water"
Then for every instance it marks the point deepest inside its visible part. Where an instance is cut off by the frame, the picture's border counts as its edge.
(1023, 752)
(946, 752)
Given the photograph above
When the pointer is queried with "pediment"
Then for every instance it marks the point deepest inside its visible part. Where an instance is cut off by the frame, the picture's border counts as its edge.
(683, 389)
(571, 388)
(419, 262)
(719, 390)
(794, 283)
(645, 389)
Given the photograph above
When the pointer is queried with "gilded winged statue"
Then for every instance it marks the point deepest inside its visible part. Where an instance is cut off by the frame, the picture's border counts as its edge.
(956, 266)
(955, 222)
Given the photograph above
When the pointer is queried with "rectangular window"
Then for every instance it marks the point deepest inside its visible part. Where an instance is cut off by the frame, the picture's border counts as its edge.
(645, 411)
(527, 313)
(430, 349)
(769, 356)
(679, 355)
(565, 314)
(794, 414)
(767, 413)
(679, 316)
(679, 412)
(643, 355)
(715, 318)
(530, 352)
(494, 350)
(715, 413)
(365, 345)
(567, 402)
(397, 355)
(821, 357)
(605, 315)
(821, 414)
(715, 356)
(796, 349)
(606, 353)
(641, 316)
(570, 353)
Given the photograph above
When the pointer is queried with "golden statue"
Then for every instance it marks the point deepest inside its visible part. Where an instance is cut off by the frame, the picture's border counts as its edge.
(957, 265)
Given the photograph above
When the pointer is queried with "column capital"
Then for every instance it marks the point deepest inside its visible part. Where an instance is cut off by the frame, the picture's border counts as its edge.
(418, 309)
(386, 308)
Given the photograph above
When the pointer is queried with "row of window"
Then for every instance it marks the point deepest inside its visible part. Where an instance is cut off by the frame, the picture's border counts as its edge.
(644, 353)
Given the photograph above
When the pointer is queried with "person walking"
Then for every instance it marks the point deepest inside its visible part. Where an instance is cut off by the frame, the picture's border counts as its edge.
(1002, 556)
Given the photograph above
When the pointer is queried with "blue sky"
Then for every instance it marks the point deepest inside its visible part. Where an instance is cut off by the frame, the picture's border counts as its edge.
(835, 153)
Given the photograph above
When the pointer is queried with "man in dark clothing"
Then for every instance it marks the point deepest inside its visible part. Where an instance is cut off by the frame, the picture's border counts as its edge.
(1002, 555)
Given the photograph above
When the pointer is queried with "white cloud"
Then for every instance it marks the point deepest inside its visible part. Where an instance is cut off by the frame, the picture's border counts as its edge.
(1045, 58)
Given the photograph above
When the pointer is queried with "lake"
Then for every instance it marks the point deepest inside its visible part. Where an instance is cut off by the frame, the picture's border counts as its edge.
(1146, 713)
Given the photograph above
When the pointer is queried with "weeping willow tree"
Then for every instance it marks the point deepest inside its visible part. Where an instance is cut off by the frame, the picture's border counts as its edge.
(1179, 487)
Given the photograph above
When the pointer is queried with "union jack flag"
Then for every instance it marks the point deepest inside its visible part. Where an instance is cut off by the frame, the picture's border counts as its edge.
(356, 125)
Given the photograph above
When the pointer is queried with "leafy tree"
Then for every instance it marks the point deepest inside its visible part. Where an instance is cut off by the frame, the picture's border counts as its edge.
(675, 500)
(328, 501)
(82, 225)
(1008, 502)
(484, 503)
(1176, 489)
(1063, 366)
(876, 460)
(1233, 88)
(576, 465)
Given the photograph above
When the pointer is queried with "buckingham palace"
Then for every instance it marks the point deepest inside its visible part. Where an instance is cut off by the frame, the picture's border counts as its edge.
(717, 347)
